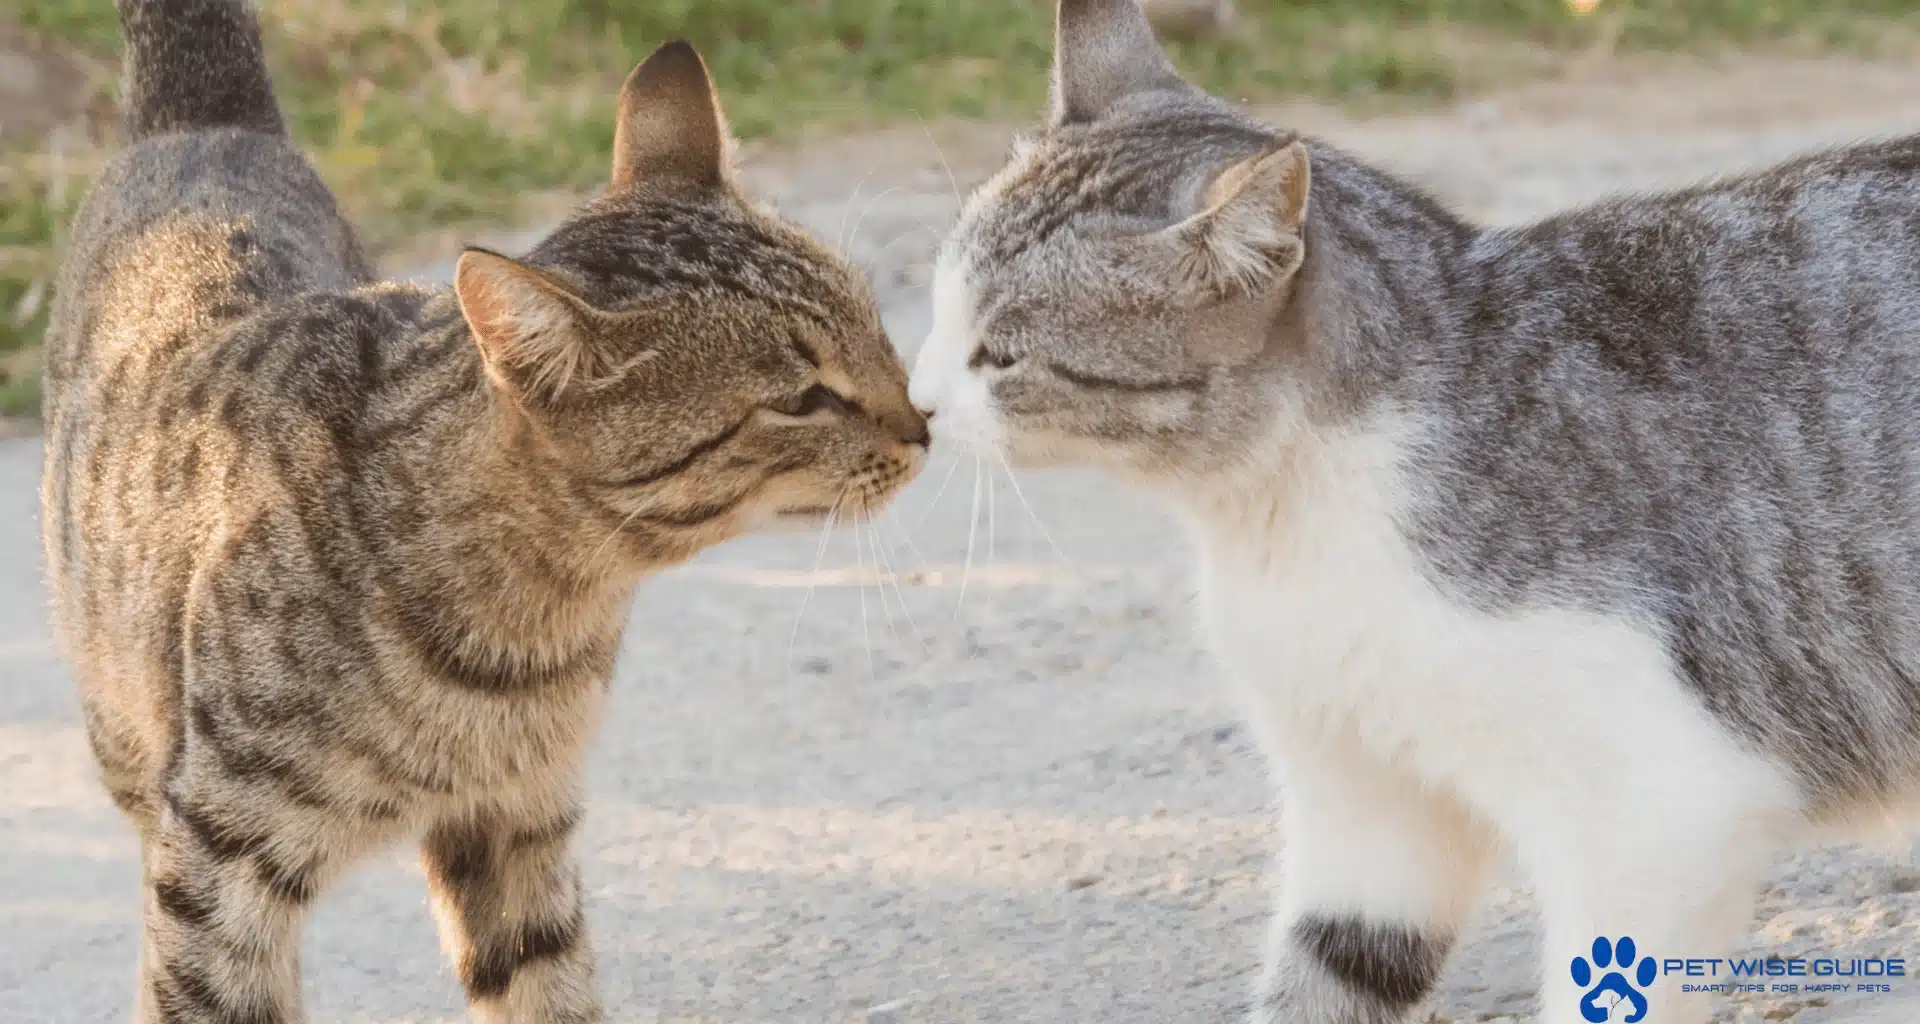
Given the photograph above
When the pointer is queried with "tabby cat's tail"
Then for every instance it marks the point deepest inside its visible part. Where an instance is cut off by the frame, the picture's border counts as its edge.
(195, 64)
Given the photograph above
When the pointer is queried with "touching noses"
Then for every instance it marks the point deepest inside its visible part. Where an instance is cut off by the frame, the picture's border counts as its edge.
(905, 421)
(920, 393)
(915, 428)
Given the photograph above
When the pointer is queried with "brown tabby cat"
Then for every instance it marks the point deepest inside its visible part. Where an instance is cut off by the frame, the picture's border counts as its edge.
(339, 562)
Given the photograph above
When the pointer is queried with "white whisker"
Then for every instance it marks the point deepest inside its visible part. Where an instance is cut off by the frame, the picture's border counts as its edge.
(866, 632)
(951, 180)
(864, 210)
(937, 494)
(992, 529)
(899, 594)
(973, 524)
(813, 577)
(595, 557)
(901, 528)
(1031, 514)
(903, 236)
(886, 607)
(840, 233)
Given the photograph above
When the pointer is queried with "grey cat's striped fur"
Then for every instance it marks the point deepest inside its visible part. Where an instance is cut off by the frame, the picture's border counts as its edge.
(339, 562)
(1613, 518)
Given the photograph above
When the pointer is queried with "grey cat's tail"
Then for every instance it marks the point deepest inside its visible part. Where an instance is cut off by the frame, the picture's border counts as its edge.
(195, 64)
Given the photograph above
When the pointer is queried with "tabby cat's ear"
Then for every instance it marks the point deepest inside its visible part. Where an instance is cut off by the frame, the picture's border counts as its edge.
(535, 335)
(670, 129)
(1248, 235)
(1103, 52)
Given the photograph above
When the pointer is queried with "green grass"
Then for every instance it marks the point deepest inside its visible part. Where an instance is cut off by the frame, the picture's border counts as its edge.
(425, 114)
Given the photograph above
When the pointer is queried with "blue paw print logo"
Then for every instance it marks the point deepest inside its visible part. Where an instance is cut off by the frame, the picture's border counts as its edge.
(1620, 955)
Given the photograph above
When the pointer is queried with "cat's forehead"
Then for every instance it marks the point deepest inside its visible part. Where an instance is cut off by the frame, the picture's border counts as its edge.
(677, 248)
(1130, 173)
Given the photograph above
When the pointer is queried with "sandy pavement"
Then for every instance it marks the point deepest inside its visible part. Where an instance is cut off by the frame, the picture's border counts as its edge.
(1017, 793)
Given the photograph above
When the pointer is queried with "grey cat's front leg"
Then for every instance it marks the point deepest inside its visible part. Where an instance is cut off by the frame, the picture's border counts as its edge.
(1376, 876)
(507, 896)
(1348, 970)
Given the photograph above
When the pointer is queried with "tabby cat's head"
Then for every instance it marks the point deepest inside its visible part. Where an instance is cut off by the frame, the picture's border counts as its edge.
(1105, 298)
(685, 353)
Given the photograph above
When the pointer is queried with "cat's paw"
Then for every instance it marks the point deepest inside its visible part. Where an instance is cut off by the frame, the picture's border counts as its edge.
(1623, 956)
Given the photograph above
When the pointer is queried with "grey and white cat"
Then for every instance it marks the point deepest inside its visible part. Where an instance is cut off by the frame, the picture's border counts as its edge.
(1596, 541)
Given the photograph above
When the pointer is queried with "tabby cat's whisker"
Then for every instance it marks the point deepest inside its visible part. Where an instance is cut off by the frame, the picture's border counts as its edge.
(938, 492)
(1033, 515)
(866, 631)
(880, 579)
(906, 535)
(899, 593)
(813, 577)
(840, 233)
(597, 552)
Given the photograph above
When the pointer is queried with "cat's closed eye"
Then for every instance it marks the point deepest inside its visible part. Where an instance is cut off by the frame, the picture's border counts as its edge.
(983, 356)
(818, 398)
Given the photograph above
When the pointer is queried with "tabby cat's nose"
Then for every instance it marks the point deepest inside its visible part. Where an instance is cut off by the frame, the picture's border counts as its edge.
(917, 432)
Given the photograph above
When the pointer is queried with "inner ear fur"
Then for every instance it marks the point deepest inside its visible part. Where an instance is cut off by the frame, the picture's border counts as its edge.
(1249, 233)
(535, 335)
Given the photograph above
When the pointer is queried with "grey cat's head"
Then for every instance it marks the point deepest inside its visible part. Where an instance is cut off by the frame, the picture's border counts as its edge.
(1107, 298)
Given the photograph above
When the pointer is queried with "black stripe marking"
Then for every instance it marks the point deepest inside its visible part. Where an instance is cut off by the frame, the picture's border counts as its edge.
(178, 899)
(247, 763)
(696, 515)
(1145, 387)
(186, 995)
(131, 800)
(223, 843)
(557, 830)
(294, 885)
(189, 997)
(490, 972)
(407, 422)
(462, 854)
(680, 464)
(1392, 963)
(505, 672)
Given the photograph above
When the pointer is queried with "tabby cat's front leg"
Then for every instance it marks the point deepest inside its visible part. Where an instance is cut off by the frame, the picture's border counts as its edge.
(224, 903)
(507, 895)
(1377, 874)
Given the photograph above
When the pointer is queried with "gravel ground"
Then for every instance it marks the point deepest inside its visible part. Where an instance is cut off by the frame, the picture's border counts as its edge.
(1010, 794)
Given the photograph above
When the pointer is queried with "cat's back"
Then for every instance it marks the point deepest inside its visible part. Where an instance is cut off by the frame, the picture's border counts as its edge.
(181, 235)
(197, 259)
(253, 430)
(1702, 410)
(1770, 276)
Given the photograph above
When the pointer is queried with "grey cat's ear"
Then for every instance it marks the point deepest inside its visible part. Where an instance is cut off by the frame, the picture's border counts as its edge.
(670, 128)
(1103, 52)
(1248, 235)
(535, 335)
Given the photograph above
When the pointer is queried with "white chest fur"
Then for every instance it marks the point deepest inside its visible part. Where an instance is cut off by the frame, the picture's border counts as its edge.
(1327, 622)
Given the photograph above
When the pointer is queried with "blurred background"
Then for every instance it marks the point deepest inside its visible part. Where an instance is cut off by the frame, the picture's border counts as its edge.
(430, 117)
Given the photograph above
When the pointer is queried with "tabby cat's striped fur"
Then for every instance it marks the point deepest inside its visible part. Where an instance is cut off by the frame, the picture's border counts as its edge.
(340, 562)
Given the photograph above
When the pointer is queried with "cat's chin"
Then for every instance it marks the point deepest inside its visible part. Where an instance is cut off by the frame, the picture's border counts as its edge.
(795, 521)
(807, 520)
(1039, 453)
